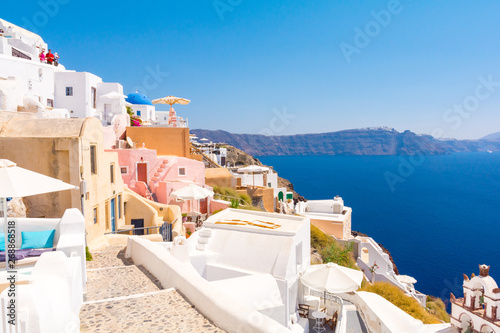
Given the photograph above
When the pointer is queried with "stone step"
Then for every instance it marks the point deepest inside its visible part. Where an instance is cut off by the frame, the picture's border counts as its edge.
(161, 311)
(104, 283)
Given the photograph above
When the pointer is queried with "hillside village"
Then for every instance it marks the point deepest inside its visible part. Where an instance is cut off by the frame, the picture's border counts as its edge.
(117, 218)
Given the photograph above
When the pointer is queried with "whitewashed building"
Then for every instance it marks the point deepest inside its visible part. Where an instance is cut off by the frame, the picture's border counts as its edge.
(29, 85)
(142, 106)
(478, 310)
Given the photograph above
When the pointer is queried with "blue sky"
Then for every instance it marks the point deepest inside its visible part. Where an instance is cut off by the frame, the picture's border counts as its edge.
(280, 67)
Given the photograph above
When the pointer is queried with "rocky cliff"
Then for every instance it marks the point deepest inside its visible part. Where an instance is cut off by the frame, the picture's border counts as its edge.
(370, 141)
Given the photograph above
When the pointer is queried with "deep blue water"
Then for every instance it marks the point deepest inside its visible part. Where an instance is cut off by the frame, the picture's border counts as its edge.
(439, 220)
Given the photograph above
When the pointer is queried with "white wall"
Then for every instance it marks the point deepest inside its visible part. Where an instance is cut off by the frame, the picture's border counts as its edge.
(32, 78)
(147, 111)
(222, 310)
(116, 105)
(80, 104)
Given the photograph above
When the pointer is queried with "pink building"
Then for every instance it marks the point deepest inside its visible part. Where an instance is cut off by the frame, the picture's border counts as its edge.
(156, 177)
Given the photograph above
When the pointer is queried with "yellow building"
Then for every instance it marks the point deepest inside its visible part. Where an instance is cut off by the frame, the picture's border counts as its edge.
(72, 150)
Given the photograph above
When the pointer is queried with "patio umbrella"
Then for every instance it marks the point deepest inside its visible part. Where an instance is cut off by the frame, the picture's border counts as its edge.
(18, 182)
(171, 100)
(406, 279)
(192, 192)
(253, 169)
(113, 95)
(332, 278)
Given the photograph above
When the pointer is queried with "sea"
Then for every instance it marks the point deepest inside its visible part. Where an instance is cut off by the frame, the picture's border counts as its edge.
(439, 216)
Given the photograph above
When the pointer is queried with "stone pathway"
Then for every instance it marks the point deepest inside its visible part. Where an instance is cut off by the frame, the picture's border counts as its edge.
(122, 297)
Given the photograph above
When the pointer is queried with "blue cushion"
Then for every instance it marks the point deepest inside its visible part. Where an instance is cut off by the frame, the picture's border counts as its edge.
(2, 242)
(38, 239)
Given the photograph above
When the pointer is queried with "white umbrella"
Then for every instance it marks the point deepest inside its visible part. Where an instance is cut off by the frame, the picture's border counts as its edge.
(113, 95)
(18, 182)
(332, 278)
(406, 279)
(192, 192)
(253, 169)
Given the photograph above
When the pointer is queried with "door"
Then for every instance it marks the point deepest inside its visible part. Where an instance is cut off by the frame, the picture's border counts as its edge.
(112, 211)
(138, 223)
(107, 111)
(142, 172)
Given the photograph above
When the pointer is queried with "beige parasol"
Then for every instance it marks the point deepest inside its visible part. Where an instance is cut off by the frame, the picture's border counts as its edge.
(171, 100)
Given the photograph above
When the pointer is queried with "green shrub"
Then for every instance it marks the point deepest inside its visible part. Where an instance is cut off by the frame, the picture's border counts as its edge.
(406, 303)
(436, 307)
(217, 211)
(235, 203)
(339, 254)
(319, 239)
(88, 255)
(228, 193)
(331, 250)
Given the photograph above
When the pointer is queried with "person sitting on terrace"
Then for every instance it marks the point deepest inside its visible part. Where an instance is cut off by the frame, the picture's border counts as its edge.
(42, 56)
(50, 57)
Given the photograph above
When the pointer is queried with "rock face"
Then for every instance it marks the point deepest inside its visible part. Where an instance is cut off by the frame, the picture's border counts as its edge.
(370, 141)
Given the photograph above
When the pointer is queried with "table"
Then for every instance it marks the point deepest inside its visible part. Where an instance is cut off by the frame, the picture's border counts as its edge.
(319, 316)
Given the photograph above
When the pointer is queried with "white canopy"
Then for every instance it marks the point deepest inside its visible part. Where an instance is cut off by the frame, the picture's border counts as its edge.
(406, 279)
(18, 182)
(332, 278)
(192, 192)
(253, 168)
(113, 95)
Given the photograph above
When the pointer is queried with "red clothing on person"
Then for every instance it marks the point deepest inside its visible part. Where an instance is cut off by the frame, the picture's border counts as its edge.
(50, 58)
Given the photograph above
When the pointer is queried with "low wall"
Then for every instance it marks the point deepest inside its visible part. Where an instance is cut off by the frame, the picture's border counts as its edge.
(218, 205)
(227, 314)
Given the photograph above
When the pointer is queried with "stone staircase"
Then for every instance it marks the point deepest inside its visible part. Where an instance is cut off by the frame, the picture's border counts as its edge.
(123, 297)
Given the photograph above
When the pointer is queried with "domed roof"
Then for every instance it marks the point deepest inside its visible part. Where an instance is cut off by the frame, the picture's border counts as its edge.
(138, 98)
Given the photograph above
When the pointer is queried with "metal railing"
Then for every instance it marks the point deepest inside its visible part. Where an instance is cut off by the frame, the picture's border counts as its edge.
(165, 230)
(230, 197)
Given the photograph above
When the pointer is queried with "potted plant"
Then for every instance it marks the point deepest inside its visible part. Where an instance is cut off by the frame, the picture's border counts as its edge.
(184, 217)
(188, 233)
(373, 269)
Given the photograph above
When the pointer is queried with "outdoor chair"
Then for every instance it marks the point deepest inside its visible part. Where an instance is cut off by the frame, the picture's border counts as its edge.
(331, 315)
(304, 310)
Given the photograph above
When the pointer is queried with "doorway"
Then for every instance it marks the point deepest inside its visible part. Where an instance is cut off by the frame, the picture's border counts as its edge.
(142, 172)
(113, 210)
(138, 223)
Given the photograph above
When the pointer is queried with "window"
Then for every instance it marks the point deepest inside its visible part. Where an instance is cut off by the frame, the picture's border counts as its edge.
(269, 185)
(93, 96)
(138, 113)
(95, 215)
(69, 91)
(124, 170)
(182, 171)
(120, 213)
(164, 118)
(93, 159)
(50, 103)
(112, 173)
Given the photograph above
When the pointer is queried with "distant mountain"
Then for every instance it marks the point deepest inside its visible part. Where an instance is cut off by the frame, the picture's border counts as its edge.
(367, 141)
(493, 136)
